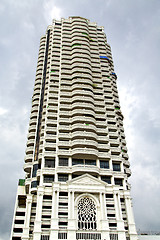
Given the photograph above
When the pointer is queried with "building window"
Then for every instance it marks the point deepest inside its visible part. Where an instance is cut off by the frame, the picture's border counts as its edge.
(62, 235)
(86, 214)
(44, 237)
(118, 181)
(77, 161)
(63, 161)
(34, 184)
(116, 167)
(104, 164)
(50, 163)
(106, 179)
(62, 177)
(113, 236)
(35, 168)
(48, 178)
(90, 162)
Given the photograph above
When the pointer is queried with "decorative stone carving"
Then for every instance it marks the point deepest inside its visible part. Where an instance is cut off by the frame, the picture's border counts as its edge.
(86, 214)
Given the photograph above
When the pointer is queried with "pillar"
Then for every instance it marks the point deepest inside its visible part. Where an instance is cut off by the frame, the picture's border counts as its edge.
(54, 217)
(71, 217)
(37, 224)
(104, 221)
(25, 235)
(120, 222)
(131, 223)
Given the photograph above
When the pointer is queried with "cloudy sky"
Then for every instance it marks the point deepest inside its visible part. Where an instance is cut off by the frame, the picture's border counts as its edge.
(133, 31)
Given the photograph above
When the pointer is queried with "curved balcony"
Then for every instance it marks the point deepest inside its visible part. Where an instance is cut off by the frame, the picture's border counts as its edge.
(81, 70)
(128, 172)
(84, 143)
(50, 137)
(85, 169)
(36, 92)
(79, 21)
(43, 39)
(85, 152)
(77, 59)
(101, 124)
(40, 59)
(81, 65)
(100, 115)
(35, 98)
(31, 135)
(82, 111)
(84, 134)
(35, 109)
(28, 158)
(82, 99)
(49, 154)
(51, 115)
(51, 122)
(35, 103)
(41, 55)
(102, 131)
(115, 150)
(77, 39)
(80, 29)
(82, 25)
(104, 147)
(82, 93)
(64, 127)
(124, 142)
(64, 153)
(83, 127)
(124, 149)
(82, 75)
(105, 155)
(33, 121)
(46, 171)
(29, 150)
(32, 128)
(27, 181)
(83, 119)
(49, 145)
(64, 113)
(81, 55)
(30, 142)
(62, 143)
(81, 51)
(65, 106)
(125, 156)
(39, 72)
(27, 167)
(51, 129)
(78, 105)
(126, 163)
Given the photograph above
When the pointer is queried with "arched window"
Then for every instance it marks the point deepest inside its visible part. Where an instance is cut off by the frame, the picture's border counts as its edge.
(86, 214)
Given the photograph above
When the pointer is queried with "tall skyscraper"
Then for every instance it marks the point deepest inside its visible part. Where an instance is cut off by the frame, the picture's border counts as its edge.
(76, 164)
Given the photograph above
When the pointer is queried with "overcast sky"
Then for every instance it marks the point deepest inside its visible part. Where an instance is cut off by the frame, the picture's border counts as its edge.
(133, 31)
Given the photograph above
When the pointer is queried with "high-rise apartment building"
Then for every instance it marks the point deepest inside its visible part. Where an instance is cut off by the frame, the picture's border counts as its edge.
(76, 164)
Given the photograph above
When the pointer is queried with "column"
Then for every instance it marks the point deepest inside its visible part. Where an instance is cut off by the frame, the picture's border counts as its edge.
(25, 235)
(71, 218)
(54, 217)
(131, 224)
(104, 221)
(120, 222)
(37, 224)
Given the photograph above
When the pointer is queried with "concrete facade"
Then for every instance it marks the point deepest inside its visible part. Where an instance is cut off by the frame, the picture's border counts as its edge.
(76, 183)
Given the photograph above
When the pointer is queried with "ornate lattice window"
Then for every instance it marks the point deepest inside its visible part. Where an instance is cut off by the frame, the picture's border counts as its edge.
(86, 214)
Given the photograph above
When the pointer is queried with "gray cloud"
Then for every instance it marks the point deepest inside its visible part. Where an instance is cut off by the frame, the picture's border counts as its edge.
(133, 30)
